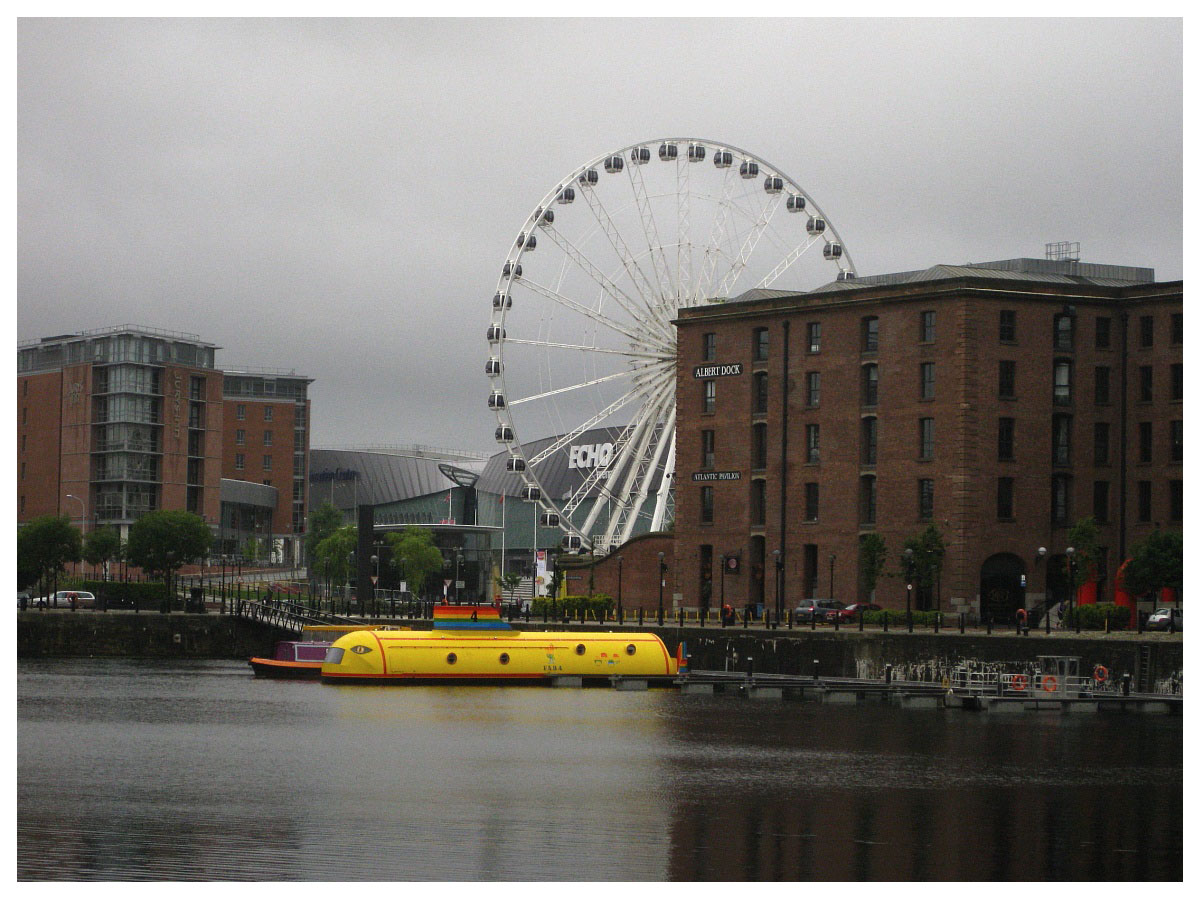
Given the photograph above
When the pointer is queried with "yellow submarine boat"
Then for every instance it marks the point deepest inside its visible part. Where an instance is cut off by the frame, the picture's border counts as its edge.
(472, 645)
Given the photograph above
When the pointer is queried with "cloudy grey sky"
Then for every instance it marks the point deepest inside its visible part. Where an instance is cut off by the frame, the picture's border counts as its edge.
(337, 196)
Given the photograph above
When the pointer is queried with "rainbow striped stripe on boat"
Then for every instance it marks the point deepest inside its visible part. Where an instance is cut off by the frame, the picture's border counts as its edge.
(454, 618)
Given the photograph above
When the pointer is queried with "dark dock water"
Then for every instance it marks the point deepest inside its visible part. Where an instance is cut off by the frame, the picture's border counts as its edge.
(197, 771)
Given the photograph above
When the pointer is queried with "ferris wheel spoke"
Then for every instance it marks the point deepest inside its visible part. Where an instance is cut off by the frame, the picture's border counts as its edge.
(553, 345)
(638, 339)
(589, 423)
(571, 387)
(712, 251)
(683, 232)
(619, 458)
(629, 498)
(639, 490)
(647, 292)
(629, 457)
(748, 245)
(657, 253)
(610, 288)
(784, 264)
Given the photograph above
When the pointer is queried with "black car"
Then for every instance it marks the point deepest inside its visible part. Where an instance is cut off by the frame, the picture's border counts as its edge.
(818, 610)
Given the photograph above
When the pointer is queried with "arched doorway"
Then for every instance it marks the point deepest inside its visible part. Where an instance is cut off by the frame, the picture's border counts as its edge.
(1001, 587)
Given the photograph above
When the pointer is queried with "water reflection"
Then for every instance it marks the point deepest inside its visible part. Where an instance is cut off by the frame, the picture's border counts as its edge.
(199, 771)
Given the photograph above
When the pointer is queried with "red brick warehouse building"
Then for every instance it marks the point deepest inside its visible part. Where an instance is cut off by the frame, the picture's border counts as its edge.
(116, 422)
(999, 401)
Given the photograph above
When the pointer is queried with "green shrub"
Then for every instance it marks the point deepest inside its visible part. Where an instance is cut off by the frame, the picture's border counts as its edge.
(1092, 617)
(898, 618)
(577, 606)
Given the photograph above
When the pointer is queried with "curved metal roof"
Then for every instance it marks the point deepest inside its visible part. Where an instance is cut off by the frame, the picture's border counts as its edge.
(555, 474)
(381, 477)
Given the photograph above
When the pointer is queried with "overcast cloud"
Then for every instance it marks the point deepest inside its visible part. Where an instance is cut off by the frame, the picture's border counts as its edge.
(337, 197)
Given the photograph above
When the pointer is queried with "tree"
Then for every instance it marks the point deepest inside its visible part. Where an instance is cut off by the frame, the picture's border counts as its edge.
(872, 558)
(44, 547)
(509, 582)
(1084, 536)
(928, 554)
(162, 541)
(251, 548)
(1156, 562)
(333, 553)
(416, 555)
(322, 522)
(102, 545)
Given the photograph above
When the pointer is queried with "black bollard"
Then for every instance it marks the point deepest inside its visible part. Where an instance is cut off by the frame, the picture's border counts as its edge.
(885, 621)
(861, 613)
(749, 666)
(681, 618)
(887, 674)
(937, 622)
(816, 670)
(812, 620)
(1078, 621)
(962, 623)
(746, 618)
(1125, 684)
(989, 625)
(837, 622)
(640, 617)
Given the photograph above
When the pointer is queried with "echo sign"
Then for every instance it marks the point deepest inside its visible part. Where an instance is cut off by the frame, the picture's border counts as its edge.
(588, 456)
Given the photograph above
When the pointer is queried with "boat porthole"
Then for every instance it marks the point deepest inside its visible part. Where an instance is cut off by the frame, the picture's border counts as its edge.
(631, 649)
(452, 658)
(579, 649)
(504, 659)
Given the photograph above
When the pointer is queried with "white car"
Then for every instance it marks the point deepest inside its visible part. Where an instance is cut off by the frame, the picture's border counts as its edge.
(1160, 619)
(62, 599)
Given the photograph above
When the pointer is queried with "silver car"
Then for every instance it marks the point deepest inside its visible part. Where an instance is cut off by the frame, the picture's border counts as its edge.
(1160, 620)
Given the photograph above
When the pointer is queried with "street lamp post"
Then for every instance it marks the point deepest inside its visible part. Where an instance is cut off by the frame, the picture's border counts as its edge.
(832, 560)
(620, 596)
(662, 580)
(1038, 560)
(1070, 551)
(778, 554)
(722, 584)
(375, 583)
(458, 559)
(908, 557)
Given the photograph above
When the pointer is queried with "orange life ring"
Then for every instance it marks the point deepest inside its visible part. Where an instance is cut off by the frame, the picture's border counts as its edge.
(1019, 682)
(1100, 674)
(1050, 684)
(1022, 616)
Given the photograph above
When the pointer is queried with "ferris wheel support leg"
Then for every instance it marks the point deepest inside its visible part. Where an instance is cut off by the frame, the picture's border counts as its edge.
(664, 490)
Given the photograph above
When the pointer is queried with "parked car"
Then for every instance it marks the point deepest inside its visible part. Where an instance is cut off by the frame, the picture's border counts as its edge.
(1160, 620)
(849, 612)
(62, 599)
(818, 610)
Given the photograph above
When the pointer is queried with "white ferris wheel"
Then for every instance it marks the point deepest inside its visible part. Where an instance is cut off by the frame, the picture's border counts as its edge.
(581, 335)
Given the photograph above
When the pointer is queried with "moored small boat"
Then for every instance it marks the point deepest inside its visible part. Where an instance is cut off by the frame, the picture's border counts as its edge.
(303, 658)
